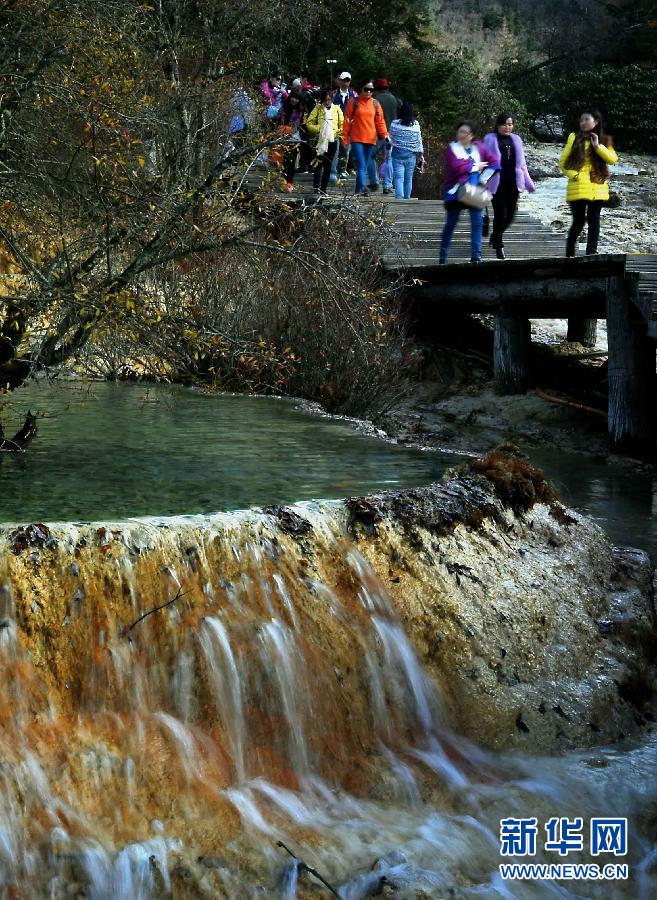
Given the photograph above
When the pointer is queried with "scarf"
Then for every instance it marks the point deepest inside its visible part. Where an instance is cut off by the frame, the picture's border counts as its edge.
(460, 152)
(326, 132)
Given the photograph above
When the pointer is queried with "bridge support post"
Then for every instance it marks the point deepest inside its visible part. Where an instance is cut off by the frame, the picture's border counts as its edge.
(511, 353)
(631, 373)
(585, 331)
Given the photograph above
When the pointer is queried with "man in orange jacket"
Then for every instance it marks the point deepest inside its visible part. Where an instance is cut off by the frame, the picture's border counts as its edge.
(364, 124)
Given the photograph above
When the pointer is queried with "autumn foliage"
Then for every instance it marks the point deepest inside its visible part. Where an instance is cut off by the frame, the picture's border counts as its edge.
(128, 238)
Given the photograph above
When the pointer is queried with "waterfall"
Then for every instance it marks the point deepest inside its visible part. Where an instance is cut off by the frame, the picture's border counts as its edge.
(179, 697)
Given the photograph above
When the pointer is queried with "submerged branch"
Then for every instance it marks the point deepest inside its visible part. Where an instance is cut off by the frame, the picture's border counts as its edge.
(155, 609)
(303, 867)
(22, 438)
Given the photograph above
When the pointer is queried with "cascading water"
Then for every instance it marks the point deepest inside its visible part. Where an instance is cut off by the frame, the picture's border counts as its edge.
(273, 695)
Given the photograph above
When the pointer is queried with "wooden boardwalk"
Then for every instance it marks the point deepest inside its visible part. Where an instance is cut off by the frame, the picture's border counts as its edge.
(417, 225)
(535, 281)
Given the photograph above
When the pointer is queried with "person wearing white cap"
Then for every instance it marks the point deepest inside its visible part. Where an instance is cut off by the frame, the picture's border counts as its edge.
(341, 97)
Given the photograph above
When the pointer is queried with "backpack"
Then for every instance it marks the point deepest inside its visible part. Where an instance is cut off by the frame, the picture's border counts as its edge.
(355, 101)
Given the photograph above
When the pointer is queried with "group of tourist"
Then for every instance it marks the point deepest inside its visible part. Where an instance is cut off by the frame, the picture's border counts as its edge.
(343, 132)
(495, 169)
(348, 139)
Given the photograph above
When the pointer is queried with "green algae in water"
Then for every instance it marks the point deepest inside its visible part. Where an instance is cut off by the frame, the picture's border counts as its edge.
(109, 451)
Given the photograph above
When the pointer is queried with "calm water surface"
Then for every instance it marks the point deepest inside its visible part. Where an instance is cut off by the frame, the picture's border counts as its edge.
(114, 450)
(619, 495)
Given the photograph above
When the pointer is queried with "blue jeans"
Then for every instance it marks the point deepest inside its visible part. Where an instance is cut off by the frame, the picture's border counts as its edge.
(453, 211)
(338, 156)
(373, 171)
(363, 154)
(403, 166)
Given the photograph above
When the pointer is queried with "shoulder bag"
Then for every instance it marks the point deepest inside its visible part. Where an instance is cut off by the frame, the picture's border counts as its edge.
(474, 195)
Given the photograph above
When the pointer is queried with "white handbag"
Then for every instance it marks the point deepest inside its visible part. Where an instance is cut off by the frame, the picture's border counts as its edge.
(474, 195)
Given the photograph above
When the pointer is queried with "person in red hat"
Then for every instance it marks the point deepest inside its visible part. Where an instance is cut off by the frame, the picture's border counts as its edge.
(391, 105)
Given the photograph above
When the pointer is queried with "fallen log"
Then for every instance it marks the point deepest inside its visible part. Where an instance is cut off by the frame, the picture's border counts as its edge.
(22, 438)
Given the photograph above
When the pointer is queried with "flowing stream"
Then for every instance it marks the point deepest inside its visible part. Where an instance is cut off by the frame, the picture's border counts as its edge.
(274, 697)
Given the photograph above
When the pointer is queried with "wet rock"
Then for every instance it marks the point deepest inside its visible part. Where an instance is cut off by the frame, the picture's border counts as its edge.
(369, 885)
(290, 522)
(35, 535)
(458, 570)
(363, 514)
(192, 556)
(212, 862)
(606, 627)
(438, 509)
(521, 725)
(394, 858)
(182, 872)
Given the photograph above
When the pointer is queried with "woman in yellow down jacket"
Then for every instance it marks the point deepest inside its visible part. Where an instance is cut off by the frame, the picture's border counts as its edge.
(325, 124)
(585, 161)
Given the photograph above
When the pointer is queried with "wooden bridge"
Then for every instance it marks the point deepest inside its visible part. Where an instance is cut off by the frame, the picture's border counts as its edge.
(535, 281)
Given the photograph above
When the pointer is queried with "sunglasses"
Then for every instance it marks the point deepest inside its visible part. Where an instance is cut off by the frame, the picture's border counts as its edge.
(369, 90)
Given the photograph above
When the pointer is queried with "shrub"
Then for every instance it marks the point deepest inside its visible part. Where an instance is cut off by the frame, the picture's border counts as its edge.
(309, 312)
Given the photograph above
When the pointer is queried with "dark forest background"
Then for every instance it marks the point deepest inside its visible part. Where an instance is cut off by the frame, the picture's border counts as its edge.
(543, 60)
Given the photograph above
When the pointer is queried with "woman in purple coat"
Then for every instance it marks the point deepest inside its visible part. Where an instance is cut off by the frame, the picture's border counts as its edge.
(465, 160)
(509, 181)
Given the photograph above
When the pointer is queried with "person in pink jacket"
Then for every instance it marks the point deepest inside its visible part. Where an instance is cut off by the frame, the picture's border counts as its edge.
(511, 179)
(465, 161)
